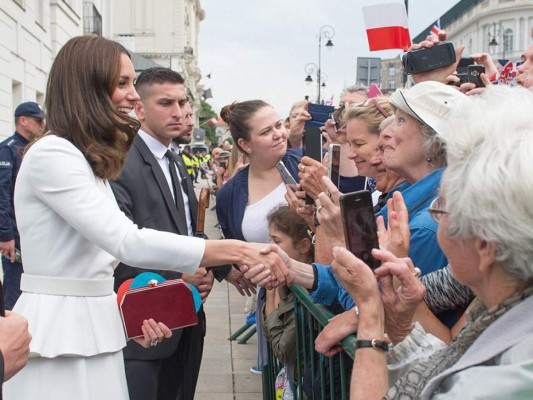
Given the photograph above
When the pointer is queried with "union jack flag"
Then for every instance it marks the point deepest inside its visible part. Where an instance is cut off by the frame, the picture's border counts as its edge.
(436, 28)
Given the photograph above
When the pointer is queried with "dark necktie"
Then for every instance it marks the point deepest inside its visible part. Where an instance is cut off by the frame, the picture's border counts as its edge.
(176, 188)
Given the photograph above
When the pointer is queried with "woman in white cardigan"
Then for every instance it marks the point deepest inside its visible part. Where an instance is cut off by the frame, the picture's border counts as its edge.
(73, 233)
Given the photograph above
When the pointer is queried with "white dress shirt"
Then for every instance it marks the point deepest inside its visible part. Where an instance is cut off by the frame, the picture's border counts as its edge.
(159, 150)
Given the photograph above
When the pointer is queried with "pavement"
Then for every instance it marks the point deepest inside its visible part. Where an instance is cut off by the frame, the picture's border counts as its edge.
(225, 372)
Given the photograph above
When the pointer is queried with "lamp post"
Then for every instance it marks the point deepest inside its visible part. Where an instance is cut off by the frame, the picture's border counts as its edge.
(495, 30)
(325, 32)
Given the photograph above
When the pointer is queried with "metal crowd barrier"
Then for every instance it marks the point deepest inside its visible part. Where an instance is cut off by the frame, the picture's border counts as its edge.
(323, 377)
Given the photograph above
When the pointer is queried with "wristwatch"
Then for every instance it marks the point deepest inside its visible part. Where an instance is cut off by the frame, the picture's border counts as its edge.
(374, 343)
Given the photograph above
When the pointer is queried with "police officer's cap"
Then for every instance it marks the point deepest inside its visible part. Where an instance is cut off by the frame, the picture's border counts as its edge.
(29, 109)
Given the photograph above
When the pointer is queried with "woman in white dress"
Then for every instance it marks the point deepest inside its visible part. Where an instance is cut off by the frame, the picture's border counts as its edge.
(73, 233)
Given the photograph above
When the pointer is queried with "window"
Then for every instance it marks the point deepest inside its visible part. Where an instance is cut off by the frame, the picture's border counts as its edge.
(508, 40)
(392, 71)
(392, 85)
(92, 20)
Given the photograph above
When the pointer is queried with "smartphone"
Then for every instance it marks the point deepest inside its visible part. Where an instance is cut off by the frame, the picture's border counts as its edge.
(285, 174)
(320, 113)
(360, 228)
(429, 58)
(334, 161)
(473, 73)
(312, 145)
(463, 63)
(222, 164)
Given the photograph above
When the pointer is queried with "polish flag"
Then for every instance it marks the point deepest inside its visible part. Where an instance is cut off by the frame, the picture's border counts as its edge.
(386, 27)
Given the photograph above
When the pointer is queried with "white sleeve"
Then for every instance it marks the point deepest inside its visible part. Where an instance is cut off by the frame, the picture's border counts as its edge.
(61, 177)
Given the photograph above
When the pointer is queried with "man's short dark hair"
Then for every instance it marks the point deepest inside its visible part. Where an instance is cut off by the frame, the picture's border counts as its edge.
(157, 75)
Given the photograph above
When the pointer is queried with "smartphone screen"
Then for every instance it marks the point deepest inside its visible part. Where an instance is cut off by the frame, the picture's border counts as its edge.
(360, 228)
(285, 174)
(312, 144)
(334, 161)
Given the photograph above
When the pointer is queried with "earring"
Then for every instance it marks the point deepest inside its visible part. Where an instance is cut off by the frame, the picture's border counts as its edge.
(429, 159)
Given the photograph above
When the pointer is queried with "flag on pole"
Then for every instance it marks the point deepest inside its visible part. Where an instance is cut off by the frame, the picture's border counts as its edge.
(436, 28)
(386, 27)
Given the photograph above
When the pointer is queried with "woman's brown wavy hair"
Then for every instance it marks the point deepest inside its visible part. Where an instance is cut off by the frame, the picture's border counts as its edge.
(83, 77)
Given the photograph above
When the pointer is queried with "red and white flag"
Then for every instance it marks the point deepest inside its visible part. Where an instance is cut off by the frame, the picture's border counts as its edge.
(213, 121)
(386, 27)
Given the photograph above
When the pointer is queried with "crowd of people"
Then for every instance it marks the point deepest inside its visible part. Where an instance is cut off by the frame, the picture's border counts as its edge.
(93, 197)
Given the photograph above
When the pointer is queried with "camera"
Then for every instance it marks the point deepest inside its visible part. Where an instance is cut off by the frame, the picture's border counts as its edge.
(427, 59)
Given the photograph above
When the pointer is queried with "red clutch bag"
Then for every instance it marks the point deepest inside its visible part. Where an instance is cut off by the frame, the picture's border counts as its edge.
(170, 302)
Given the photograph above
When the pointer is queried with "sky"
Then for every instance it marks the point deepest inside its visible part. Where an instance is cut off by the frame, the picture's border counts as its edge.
(259, 49)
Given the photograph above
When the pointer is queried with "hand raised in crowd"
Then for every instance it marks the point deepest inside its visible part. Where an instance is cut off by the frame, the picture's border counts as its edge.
(154, 333)
(329, 214)
(358, 279)
(296, 201)
(338, 327)
(296, 129)
(243, 285)
(470, 89)
(439, 74)
(399, 301)
(14, 343)
(395, 238)
(334, 133)
(311, 173)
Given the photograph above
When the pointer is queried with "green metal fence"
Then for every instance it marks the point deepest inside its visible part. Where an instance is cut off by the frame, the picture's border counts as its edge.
(321, 377)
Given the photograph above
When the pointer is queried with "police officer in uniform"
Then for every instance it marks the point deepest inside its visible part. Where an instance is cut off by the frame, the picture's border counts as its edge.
(29, 124)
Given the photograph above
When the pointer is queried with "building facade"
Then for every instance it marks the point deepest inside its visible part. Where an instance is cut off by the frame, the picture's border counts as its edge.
(391, 74)
(502, 28)
(32, 32)
(166, 32)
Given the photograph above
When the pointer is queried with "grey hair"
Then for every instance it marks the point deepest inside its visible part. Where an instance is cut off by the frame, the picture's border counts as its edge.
(488, 184)
(434, 147)
(354, 89)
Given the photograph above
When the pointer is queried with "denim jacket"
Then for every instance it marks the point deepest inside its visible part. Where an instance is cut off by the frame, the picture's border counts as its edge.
(424, 249)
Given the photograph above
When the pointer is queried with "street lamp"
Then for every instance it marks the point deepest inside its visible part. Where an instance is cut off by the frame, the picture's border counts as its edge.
(495, 30)
(325, 32)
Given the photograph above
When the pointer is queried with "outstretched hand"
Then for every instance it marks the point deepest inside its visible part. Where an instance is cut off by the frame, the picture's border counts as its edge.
(395, 238)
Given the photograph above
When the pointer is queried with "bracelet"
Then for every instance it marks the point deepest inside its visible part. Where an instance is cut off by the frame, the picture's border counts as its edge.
(374, 344)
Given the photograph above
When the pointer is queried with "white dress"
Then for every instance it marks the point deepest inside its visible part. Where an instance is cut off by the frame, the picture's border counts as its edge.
(72, 237)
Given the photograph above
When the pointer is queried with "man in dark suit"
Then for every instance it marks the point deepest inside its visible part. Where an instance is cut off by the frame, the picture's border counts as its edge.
(154, 191)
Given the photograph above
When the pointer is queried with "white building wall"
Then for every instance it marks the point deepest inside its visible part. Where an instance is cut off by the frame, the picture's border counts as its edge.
(165, 31)
(31, 35)
(475, 28)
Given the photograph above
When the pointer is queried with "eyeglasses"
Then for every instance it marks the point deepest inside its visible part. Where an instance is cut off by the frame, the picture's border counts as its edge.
(437, 209)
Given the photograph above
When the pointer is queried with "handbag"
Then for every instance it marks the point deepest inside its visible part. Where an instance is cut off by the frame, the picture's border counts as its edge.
(170, 302)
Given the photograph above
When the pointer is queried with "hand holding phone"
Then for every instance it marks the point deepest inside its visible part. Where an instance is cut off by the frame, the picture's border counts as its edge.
(334, 161)
(360, 228)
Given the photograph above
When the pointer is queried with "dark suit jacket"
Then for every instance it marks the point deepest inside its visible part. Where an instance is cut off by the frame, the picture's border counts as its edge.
(143, 194)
